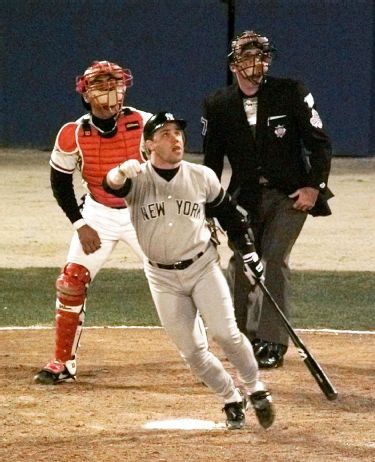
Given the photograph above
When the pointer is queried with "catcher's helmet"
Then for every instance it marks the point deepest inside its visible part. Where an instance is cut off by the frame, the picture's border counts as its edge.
(159, 120)
(250, 40)
(103, 86)
(97, 68)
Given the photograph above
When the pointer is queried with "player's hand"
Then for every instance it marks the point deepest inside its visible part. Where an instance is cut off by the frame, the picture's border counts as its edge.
(89, 239)
(253, 267)
(305, 198)
(130, 168)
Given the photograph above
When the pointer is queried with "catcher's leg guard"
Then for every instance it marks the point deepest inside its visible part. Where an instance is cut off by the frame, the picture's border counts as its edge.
(71, 286)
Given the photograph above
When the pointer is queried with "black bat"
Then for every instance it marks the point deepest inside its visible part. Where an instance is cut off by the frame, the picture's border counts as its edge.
(316, 370)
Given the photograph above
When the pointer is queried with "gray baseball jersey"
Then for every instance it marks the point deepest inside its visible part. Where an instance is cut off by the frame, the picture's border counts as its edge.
(169, 216)
(170, 222)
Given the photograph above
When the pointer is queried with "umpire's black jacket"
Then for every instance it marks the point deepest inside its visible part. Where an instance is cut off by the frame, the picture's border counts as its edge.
(287, 126)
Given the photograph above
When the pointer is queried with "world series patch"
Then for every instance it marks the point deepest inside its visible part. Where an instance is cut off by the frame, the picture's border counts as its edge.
(280, 131)
(315, 119)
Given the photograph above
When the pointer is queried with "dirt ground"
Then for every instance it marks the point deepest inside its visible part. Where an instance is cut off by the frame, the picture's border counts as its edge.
(132, 379)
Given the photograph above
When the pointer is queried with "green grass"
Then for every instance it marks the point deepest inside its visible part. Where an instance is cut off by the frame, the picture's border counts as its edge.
(334, 300)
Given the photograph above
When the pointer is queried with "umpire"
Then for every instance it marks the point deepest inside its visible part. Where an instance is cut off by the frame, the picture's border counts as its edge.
(280, 156)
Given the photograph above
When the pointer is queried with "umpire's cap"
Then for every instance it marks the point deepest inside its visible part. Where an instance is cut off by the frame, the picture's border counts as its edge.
(159, 120)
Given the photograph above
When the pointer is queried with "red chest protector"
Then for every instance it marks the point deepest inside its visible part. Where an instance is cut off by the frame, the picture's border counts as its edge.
(100, 154)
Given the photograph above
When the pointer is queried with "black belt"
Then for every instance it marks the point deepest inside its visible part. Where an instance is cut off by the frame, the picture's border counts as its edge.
(179, 265)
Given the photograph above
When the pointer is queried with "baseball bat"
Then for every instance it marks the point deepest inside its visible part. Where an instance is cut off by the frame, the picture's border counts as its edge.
(313, 366)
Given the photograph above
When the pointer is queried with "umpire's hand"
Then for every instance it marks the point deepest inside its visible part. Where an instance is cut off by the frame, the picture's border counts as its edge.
(304, 198)
(89, 239)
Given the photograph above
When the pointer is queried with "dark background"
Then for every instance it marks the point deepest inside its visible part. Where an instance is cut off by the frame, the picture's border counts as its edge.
(177, 50)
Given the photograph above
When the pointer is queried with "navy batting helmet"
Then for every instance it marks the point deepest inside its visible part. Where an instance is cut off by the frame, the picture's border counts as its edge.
(159, 120)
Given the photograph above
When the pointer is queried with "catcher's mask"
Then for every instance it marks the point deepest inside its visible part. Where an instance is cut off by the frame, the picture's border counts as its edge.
(251, 55)
(159, 120)
(103, 86)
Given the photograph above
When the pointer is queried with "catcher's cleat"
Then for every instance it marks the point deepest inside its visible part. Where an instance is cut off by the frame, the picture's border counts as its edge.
(263, 407)
(235, 413)
(56, 372)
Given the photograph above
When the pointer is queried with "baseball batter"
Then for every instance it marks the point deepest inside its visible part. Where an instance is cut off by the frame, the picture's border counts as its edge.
(107, 135)
(167, 197)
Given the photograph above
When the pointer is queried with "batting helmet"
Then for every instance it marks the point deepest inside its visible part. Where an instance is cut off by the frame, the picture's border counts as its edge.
(159, 120)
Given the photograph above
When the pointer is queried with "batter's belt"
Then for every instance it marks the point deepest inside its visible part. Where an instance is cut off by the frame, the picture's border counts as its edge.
(179, 265)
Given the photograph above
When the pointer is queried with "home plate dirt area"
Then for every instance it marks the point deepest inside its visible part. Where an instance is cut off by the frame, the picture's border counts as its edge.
(135, 400)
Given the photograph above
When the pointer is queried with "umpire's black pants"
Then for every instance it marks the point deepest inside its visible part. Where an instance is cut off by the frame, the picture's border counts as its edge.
(276, 230)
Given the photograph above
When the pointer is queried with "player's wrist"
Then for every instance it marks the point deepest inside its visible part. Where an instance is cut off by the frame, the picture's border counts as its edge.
(78, 224)
(116, 178)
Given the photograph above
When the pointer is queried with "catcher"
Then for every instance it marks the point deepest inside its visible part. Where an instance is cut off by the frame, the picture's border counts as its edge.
(110, 133)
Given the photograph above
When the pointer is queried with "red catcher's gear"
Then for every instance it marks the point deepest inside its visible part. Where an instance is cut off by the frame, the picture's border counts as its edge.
(99, 154)
(71, 288)
(72, 284)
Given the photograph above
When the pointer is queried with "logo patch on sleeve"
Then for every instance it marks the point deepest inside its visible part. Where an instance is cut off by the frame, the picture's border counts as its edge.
(309, 100)
(315, 119)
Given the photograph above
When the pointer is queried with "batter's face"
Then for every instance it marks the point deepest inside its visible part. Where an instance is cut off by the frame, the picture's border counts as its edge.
(167, 146)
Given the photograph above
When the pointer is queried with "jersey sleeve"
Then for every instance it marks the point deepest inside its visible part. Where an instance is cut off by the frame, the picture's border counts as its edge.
(213, 138)
(314, 136)
(213, 184)
(64, 156)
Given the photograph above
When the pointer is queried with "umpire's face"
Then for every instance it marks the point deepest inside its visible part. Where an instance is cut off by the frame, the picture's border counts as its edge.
(167, 146)
(252, 64)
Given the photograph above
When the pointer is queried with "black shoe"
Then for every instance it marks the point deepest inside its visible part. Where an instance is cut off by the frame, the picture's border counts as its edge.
(270, 355)
(56, 372)
(235, 413)
(259, 347)
(263, 407)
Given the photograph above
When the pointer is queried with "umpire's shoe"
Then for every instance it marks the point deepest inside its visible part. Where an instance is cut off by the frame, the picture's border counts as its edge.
(235, 413)
(56, 372)
(263, 407)
(268, 354)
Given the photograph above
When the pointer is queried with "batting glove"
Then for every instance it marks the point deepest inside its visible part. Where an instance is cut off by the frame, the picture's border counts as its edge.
(253, 267)
(130, 168)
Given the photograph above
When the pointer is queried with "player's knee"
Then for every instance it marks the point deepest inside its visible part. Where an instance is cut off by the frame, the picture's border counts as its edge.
(229, 337)
(197, 359)
(72, 284)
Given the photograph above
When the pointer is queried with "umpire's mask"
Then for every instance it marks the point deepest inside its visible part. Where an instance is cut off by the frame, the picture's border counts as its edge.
(251, 55)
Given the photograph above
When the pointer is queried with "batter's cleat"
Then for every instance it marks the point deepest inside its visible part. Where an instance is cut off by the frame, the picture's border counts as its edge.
(235, 413)
(56, 372)
(263, 407)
